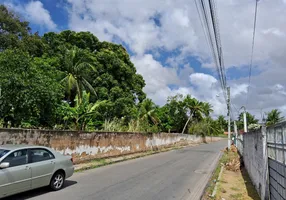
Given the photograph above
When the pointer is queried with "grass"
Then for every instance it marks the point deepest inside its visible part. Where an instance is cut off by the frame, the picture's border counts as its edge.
(234, 188)
(234, 185)
(213, 180)
(236, 196)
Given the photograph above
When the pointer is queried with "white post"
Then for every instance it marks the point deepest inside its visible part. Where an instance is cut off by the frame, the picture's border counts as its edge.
(235, 130)
(245, 121)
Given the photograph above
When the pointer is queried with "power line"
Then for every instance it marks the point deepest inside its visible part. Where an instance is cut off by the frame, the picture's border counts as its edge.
(202, 24)
(217, 38)
(213, 39)
(235, 108)
(252, 50)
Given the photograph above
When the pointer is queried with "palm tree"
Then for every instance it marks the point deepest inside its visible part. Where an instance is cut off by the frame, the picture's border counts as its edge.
(206, 127)
(207, 109)
(75, 65)
(212, 127)
(148, 111)
(222, 122)
(249, 117)
(195, 108)
(273, 117)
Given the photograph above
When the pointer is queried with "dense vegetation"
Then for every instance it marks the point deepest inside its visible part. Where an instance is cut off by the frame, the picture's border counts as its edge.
(71, 80)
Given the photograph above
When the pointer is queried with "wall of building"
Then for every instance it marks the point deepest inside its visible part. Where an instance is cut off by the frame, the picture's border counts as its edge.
(86, 145)
(255, 158)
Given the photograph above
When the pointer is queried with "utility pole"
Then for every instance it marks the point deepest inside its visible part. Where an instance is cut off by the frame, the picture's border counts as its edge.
(235, 131)
(244, 120)
(228, 115)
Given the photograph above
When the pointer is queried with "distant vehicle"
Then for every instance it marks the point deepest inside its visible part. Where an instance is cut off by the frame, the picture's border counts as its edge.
(24, 168)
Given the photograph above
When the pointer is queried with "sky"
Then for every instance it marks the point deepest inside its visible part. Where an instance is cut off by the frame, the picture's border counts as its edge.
(167, 44)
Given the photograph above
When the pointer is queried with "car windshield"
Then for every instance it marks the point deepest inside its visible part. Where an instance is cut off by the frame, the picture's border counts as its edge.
(3, 152)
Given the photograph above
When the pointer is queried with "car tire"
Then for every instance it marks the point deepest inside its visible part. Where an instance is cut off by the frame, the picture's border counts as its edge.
(57, 181)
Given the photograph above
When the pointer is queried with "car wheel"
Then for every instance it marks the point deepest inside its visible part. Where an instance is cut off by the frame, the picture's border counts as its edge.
(57, 181)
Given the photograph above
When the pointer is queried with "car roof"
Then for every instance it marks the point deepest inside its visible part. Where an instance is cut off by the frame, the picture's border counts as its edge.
(12, 147)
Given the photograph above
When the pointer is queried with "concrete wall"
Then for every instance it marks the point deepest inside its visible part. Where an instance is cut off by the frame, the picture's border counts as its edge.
(255, 160)
(85, 146)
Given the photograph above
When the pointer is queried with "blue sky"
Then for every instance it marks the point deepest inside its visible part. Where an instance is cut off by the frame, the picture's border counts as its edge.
(167, 44)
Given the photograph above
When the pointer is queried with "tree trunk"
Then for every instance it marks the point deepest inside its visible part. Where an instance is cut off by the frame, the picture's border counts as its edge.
(187, 122)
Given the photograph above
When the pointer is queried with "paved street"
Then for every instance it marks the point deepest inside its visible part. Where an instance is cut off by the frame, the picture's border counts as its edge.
(179, 174)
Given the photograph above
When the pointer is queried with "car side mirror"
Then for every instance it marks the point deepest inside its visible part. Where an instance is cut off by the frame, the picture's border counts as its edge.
(4, 165)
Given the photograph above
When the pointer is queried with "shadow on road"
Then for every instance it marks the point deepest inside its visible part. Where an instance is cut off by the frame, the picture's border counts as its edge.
(37, 192)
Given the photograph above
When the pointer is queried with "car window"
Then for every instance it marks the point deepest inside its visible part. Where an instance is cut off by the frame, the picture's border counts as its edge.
(17, 158)
(3, 152)
(38, 155)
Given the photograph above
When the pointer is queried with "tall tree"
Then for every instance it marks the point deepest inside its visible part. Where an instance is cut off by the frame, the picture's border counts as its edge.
(207, 109)
(12, 29)
(29, 89)
(222, 122)
(273, 117)
(76, 64)
(196, 109)
(147, 112)
(16, 33)
(173, 114)
(250, 120)
(207, 126)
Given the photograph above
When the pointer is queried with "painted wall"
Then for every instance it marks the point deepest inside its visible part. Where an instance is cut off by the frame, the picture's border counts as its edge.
(86, 145)
(255, 159)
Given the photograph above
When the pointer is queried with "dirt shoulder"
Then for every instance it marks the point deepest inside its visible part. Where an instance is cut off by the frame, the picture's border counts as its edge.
(234, 182)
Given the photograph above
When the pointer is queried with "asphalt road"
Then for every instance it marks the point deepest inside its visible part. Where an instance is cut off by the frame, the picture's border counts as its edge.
(177, 175)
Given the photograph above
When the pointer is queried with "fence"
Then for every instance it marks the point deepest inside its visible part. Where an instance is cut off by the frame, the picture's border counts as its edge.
(264, 156)
(254, 152)
(276, 144)
(239, 143)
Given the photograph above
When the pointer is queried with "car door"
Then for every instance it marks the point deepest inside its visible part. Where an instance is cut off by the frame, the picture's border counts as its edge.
(17, 177)
(42, 163)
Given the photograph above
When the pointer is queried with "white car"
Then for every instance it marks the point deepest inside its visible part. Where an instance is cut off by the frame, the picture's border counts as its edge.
(23, 168)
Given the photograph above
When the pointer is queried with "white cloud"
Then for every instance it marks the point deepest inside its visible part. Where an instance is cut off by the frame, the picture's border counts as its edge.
(34, 12)
(39, 15)
(156, 76)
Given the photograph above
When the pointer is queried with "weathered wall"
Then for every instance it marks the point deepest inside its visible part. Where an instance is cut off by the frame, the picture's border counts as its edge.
(85, 146)
(255, 160)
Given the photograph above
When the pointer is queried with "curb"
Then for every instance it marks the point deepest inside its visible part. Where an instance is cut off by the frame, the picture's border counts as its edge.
(207, 178)
(145, 154)
(218, 179)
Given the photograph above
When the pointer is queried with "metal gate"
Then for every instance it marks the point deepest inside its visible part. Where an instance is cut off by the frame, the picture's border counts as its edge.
(276, 145)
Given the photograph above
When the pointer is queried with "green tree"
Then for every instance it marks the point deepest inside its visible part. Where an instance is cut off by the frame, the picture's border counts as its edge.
(207, 109)
(76, 63)
(273, 117)
(114, 78)
(29, 89)
(250, 120)
(222, 122)
(12, 29)
(82, 113)
(147, 112)
(205, 127)
(196, 109)
(69, 39)
(15, 33)
(173, 114)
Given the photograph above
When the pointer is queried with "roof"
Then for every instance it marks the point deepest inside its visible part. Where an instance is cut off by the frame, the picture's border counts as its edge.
(18, 146)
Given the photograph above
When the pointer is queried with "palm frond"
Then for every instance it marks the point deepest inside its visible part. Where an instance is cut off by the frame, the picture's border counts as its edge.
(89, 86)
